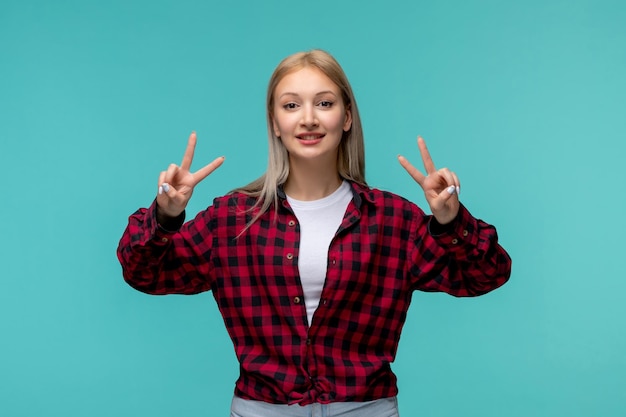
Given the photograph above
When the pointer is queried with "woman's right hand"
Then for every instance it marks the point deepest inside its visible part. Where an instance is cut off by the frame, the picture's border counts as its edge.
(177, 183)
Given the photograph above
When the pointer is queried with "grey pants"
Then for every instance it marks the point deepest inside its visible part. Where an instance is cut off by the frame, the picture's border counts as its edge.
(385, 407)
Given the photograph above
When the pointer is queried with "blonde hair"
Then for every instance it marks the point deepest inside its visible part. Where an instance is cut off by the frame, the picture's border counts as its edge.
(351, 153)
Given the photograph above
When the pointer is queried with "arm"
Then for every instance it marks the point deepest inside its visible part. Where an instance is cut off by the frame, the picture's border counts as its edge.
(159, 261)
(462, 258)
(156, 256)
(453, 251)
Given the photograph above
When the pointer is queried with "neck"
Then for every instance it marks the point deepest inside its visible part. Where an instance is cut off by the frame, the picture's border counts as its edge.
(308, 183)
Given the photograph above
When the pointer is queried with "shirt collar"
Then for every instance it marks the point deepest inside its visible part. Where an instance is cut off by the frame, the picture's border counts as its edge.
(360, 192)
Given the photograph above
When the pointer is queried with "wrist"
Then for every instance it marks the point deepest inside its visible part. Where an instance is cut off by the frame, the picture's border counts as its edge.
(168, 221)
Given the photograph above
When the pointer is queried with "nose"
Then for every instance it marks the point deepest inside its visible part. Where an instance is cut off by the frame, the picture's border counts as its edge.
(309, 119)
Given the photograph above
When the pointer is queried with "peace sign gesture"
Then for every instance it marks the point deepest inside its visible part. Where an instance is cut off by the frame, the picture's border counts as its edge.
(177, 183)
(441, 186)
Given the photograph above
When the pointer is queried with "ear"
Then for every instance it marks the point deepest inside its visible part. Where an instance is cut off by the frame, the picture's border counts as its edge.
(348, 122)
(275, 127)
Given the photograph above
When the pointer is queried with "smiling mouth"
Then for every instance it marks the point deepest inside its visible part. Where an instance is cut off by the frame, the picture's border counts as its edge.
(314, 136)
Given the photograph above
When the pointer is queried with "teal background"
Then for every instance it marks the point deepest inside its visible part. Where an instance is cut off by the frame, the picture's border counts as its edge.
(524, 100)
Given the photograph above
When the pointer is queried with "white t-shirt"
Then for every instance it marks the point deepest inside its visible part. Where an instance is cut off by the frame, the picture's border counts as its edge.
(319, 221)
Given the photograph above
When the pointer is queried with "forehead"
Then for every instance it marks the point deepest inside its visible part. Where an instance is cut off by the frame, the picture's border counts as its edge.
(305, 81)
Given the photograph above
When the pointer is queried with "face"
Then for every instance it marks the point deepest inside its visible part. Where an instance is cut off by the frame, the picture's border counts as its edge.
(310, 116)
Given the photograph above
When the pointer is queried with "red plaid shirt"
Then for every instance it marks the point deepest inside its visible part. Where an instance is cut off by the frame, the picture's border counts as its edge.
(381, 253)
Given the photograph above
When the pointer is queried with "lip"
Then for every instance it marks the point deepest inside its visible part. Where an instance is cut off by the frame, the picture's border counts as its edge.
(310, 138)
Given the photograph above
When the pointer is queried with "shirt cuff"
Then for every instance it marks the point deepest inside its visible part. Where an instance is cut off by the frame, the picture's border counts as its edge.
(162, 233)
(459, 234)
(172, 224)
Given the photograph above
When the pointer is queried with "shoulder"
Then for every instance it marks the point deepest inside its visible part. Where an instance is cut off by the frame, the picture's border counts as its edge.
(390, 214)
(234, 199)
(228, 214)
(378, 197)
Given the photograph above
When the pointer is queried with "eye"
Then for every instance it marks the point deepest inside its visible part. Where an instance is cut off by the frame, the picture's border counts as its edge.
(289, 106)
(325, 103)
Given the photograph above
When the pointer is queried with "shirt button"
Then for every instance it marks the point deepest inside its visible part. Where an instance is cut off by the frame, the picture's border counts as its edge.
(164, 239)
(296, 300)
(455, 241)
(333, 261)
(465, 233)
(290, 256)
(324, 301)
(308, 342)
(291, 223)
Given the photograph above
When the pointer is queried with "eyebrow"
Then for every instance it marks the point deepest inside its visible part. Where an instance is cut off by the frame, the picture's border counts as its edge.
(317, 94)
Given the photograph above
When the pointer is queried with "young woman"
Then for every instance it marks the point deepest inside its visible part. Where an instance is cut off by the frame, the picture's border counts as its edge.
(312, 270)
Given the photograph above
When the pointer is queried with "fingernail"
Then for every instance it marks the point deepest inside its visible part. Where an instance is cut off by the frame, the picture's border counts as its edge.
(160, 189)
(451, 189)
(458, 190)
(166, 188)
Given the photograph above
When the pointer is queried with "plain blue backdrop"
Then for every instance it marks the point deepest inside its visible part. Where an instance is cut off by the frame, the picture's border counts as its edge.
(524, 100)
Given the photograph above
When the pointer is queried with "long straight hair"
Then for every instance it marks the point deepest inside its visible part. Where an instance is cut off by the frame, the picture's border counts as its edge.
(351, 153)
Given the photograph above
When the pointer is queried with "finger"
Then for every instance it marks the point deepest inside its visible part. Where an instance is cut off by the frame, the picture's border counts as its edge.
(447, 194)
(413, 172)
(457, 183)
(161, 181)
(426, 158)
(171, 172)
(205, 171)
(188, 157)
(445, 205)
(447, 176)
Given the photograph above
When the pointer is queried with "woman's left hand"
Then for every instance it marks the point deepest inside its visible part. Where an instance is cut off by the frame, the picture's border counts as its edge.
(441, 186)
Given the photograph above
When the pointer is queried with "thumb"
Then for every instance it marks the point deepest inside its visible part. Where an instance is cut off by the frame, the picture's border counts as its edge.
(446, 195)
(178, 196)
(167, 189)
(170, 200)
(448, 192)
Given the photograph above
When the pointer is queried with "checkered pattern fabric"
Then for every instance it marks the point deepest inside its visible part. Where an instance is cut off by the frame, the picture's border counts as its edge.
(384, 249)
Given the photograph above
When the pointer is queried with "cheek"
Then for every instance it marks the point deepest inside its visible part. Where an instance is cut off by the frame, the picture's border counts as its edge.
(285, 123)
(337, 122)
